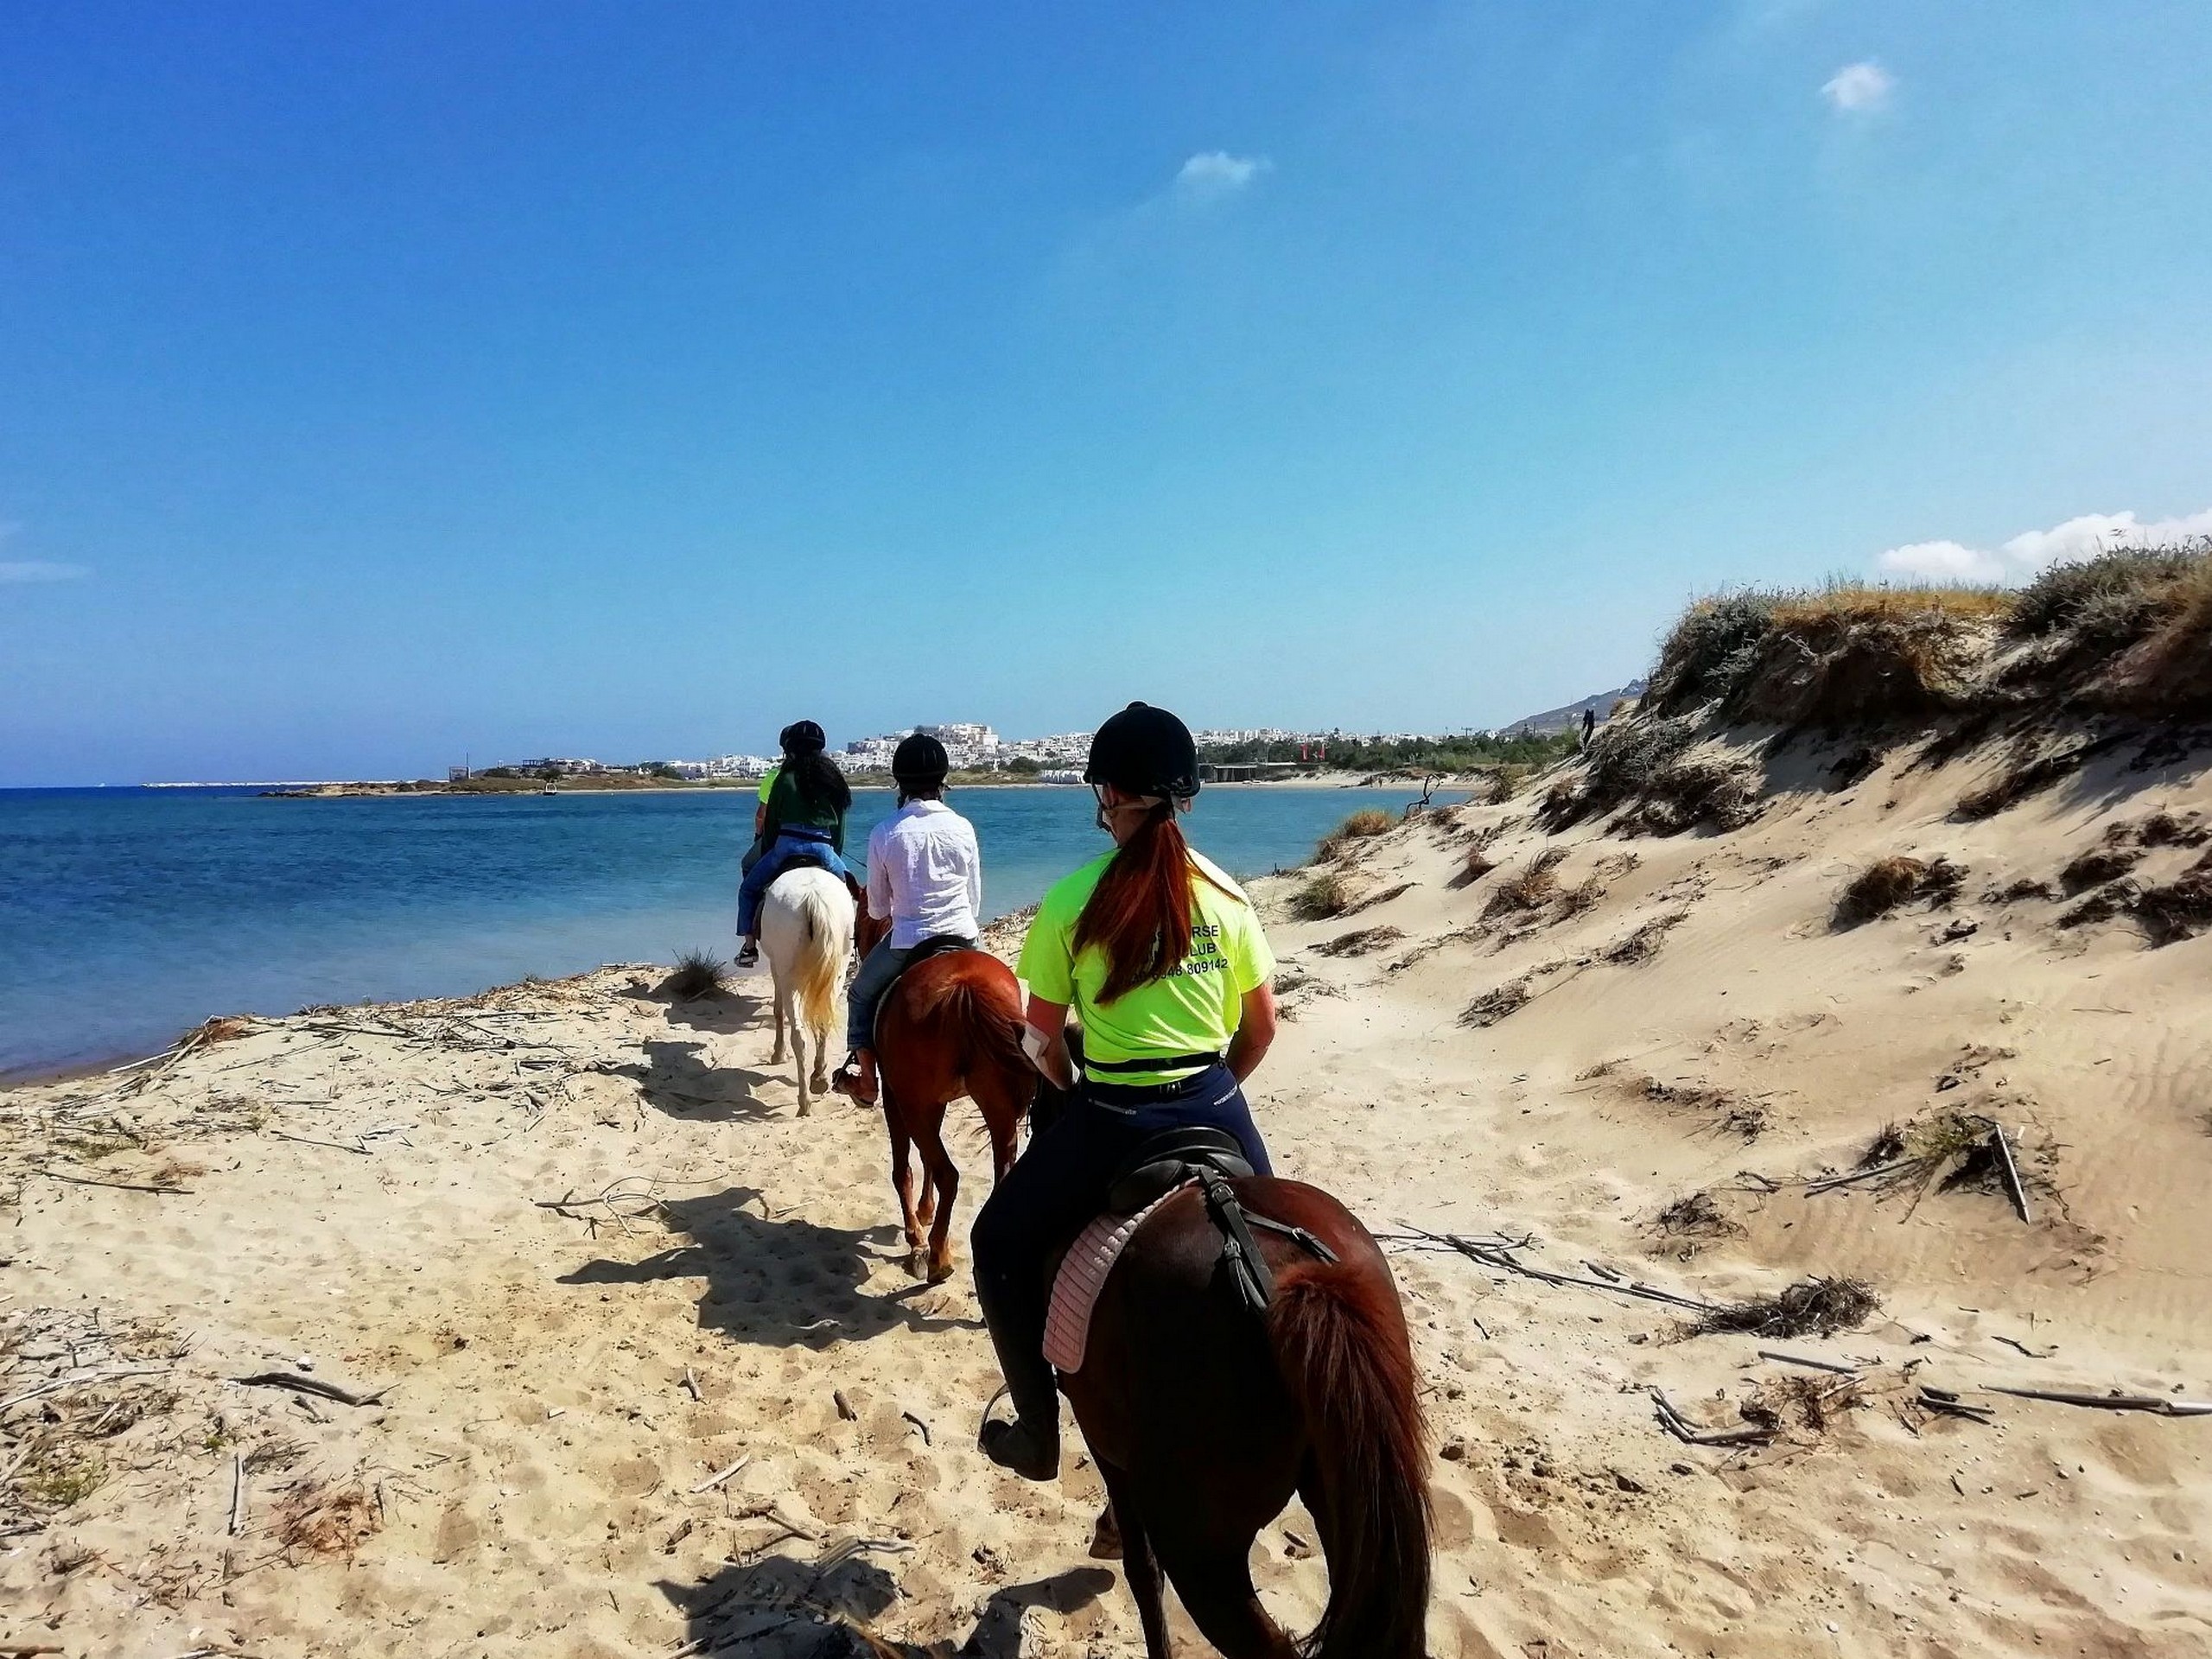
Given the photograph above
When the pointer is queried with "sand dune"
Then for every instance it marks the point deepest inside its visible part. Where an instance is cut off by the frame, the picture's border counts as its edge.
(1688, 1040)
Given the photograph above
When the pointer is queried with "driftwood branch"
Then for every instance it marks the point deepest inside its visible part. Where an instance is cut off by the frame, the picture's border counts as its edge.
(1501, 1257)
(1815, 1364)
(715, 1480)
(2012, 1170)
(1690, 1434)
(2157, 1405)
(301, 1384)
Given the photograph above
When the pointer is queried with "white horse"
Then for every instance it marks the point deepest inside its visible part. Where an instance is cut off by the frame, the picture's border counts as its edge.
(806, 931)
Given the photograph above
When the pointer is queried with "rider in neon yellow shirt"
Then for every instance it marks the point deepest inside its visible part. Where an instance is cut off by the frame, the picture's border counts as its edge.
(1162, 957)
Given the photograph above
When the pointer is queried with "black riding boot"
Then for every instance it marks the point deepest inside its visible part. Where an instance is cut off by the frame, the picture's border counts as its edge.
(1030, 1445)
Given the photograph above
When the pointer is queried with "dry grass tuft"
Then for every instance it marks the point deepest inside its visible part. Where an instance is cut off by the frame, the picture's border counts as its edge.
(2102, 905)
(2172, 830)
(1647, 765)
(1325, 894)
(1585, 895)
(2180, 909)
(1697, 1217)
(698, 973)
(1491, 1007)
(1479, 862)
(1888, 883)
(2112, 599)
(326, 1519)
(2096, 866)
(1643, 943)
(1747, 1118)
(1847, 654)
(2019, 782)
(1363, 825)
(1359, 942)
(56, 1472)
(1532, 887)
(1810, 1307)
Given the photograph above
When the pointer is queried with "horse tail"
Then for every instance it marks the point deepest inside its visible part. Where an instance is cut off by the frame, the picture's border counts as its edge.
(1350, 1372)
(817, 968)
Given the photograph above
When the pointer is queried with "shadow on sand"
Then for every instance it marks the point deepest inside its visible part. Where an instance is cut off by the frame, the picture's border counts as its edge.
(776, 1607)
(778, 1283)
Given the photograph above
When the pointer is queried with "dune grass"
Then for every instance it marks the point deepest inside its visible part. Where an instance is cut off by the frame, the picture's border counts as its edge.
(1363, 825)
(698, 973)
(1326, 892)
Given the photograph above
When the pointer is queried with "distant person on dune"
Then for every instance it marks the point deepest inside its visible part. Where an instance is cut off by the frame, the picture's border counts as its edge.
(1589, 726)
(803, 817)
(927, 874)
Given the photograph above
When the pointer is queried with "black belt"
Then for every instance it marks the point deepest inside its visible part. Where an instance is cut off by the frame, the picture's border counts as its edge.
(1124, 1097)
(1152, 1063)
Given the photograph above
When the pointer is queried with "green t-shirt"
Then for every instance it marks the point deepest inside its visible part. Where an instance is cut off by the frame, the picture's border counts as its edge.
(768, 782)
(1193, 1010)
(787, 807)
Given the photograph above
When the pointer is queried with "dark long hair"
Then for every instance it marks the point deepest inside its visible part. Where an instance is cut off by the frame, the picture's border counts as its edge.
(1140, 913)
(817, 779)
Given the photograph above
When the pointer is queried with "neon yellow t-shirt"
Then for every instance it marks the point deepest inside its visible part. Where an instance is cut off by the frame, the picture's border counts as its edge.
(1193, 1010)
(768, 782)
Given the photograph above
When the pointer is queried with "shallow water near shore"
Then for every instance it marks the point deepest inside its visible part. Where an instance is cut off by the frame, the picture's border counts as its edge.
(128, 915)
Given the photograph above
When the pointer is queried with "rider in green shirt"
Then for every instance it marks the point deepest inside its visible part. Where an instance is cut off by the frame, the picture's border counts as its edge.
(1161, 957)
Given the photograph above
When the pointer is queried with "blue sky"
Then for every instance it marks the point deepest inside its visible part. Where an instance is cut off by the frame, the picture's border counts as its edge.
(380, 384)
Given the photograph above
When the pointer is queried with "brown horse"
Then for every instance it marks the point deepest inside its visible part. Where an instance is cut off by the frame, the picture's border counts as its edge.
(1203, 1418)
(950, 1026)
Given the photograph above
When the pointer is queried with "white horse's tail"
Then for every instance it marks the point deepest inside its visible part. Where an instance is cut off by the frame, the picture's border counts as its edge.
(807, 927)
(818, 966)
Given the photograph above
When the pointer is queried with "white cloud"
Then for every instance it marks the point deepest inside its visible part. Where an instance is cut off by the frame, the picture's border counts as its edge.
(2032, 551)
(1859, 86)
(40, 570)
(1212, 173)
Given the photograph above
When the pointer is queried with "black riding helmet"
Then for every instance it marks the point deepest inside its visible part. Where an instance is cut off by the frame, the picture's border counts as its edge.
(1145, 751)
(920, 761)
(802, 737)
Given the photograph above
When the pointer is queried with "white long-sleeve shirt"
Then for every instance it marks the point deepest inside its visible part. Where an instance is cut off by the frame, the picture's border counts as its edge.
(925, 872)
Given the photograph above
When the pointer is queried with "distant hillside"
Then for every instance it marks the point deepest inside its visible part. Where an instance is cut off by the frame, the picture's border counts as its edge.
(1567, 719)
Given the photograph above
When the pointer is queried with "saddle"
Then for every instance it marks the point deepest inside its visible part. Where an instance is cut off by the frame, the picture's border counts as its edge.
(1161, 1167)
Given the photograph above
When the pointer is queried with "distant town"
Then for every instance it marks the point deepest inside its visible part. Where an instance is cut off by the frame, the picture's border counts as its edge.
(976, 748)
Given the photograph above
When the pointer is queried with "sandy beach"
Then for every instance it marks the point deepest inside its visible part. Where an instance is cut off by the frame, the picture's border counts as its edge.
(640, 1370)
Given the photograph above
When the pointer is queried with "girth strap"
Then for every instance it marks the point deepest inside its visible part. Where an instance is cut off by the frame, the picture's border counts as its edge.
(1297, 1236)
(1248, 1268)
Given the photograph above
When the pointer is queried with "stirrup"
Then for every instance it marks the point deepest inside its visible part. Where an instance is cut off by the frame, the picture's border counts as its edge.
(846, 1082)
(748, 954)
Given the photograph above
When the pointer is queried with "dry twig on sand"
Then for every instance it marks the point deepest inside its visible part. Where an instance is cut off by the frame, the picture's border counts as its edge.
(2156, 1405)
(299, 1382)
(1690, 1434)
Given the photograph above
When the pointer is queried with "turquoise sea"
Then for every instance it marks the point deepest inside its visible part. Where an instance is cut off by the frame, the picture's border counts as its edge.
(128, 915)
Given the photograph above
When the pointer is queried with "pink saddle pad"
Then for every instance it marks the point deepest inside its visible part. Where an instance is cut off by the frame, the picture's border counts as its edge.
(1082, 1276)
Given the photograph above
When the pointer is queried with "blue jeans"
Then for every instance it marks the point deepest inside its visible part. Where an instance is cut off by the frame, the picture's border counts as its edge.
(770, 865)
(874, 978)
(1055, 1189)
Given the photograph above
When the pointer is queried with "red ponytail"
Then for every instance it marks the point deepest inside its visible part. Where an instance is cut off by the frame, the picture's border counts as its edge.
(1140, 913)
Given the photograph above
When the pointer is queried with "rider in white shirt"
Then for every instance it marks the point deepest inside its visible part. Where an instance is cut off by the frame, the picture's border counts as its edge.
(927, 874)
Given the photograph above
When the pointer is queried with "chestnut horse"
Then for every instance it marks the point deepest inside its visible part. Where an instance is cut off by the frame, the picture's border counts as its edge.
(1204, 1418)
(949, 1025)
